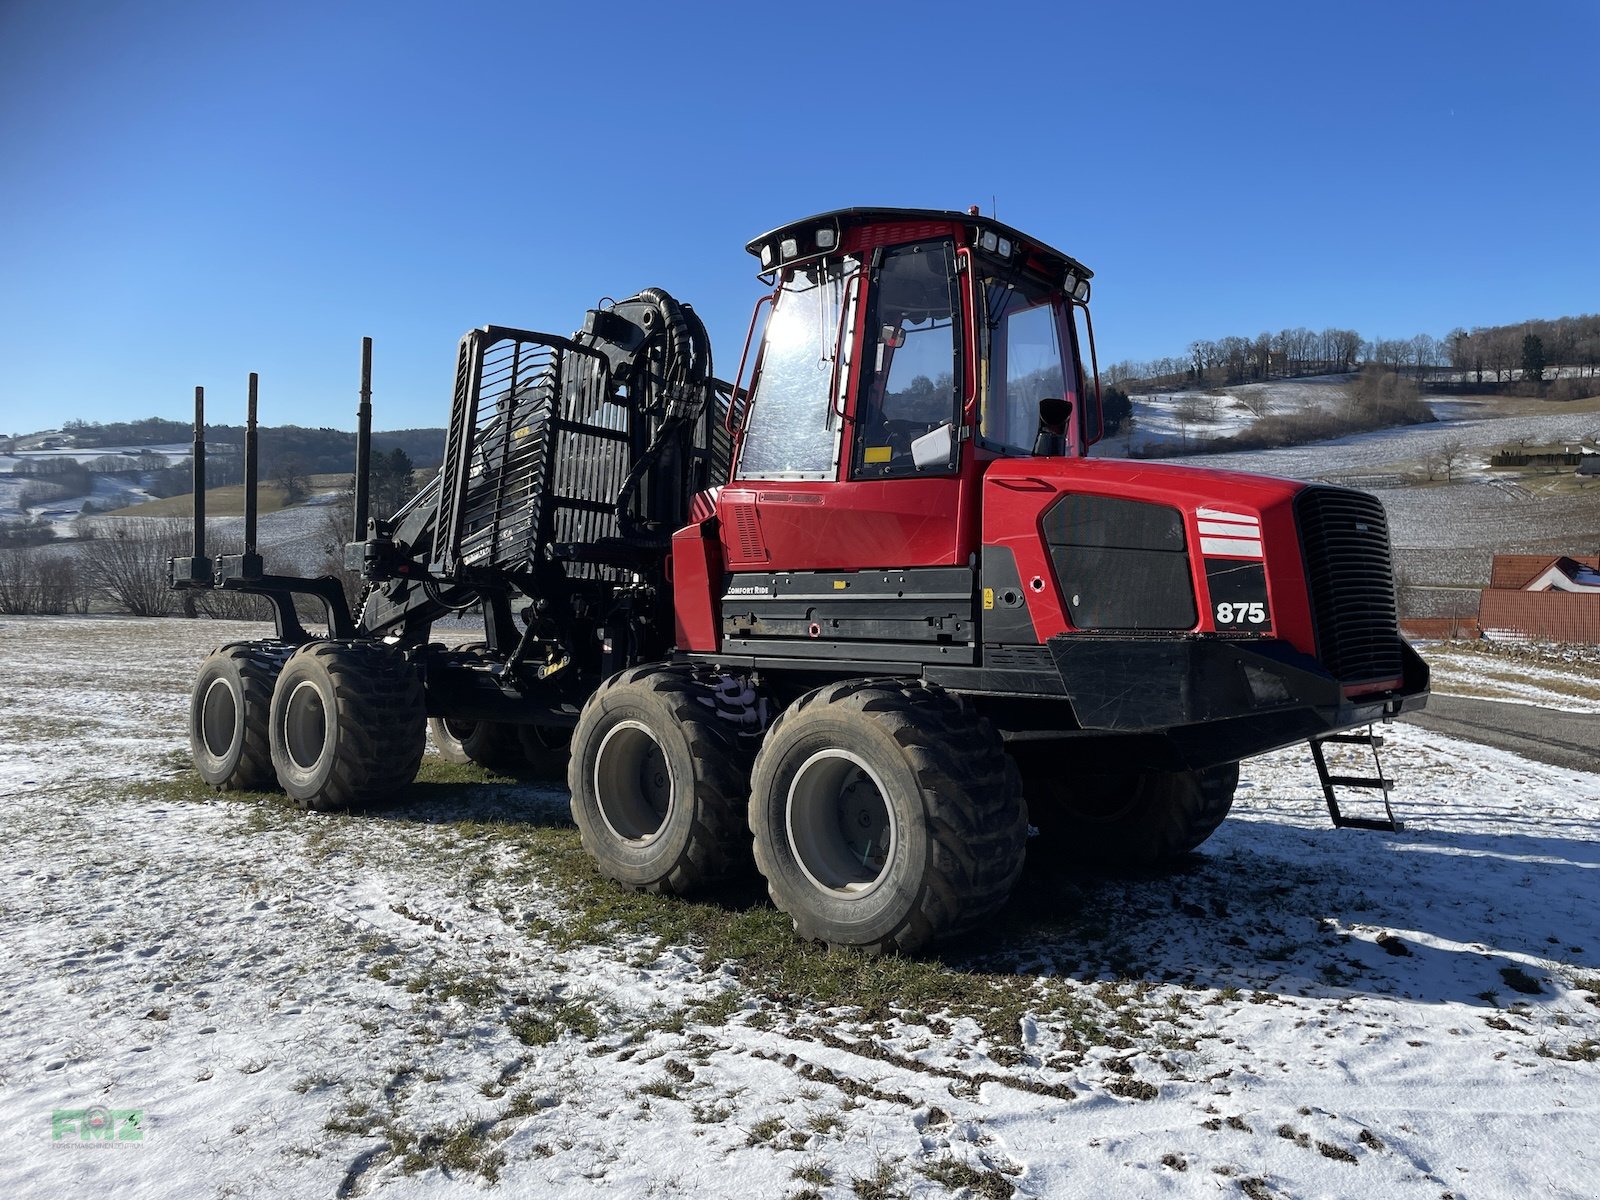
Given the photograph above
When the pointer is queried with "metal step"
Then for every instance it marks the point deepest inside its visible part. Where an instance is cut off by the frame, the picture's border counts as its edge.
(1376, 782)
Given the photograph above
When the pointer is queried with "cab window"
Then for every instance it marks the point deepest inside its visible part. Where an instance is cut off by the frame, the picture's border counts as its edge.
(911, 368)
(1026, 363)
(791, 431)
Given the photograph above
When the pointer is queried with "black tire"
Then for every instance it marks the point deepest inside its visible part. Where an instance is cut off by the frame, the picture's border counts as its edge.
(487, 743)
(1131, 819)
(885, 815)
(229, 713)
(658, 786)
(546, 749)
(348, 724)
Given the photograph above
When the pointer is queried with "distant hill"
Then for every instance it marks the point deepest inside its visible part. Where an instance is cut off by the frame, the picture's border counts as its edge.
(316, 451)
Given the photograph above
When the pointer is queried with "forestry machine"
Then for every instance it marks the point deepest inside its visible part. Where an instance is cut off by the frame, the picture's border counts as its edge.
(867, 616)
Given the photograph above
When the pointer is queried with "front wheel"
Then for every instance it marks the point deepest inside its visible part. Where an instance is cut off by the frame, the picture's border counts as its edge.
(885, 815)
(1131, 819)
(657, 783)
(348, 724)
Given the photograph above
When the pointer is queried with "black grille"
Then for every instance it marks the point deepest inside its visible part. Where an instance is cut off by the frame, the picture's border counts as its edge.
(535, 455)
(1350, 574)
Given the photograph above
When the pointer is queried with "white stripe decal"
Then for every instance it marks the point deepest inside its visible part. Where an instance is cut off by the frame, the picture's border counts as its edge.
(1236, 547)
(1227, 529)
(1216, 514)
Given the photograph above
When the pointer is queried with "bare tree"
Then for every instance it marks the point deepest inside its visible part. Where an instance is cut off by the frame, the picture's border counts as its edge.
(127, 559)
(41, 581)
(291, 479)
(1447, 458)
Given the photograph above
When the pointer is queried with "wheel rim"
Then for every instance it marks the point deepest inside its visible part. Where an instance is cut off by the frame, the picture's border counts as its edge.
(632, 782)
(305, 725)
(219, 718)
(841, 829)
(459, 731)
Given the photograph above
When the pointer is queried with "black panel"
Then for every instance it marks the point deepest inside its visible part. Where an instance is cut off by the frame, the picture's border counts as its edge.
(1106, 521)
(928, 604)
(1125, 589)
(1005, 606)
(1122, 564)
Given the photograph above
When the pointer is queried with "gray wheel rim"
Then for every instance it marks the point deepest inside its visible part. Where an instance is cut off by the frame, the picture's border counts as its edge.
(633, 782)
(841, 829)
(219, 718)
(458, 731)
(305, 726)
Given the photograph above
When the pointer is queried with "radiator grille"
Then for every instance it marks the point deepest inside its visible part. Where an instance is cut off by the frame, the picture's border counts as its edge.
(1350, 573)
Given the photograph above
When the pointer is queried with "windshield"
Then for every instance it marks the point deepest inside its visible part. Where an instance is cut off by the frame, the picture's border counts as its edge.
(1026, 362)
(791, 431)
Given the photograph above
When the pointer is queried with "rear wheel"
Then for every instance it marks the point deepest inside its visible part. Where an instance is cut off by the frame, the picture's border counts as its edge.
(658, 786)
(229, 715)
(347, 724)
(885, 815)
(487, 743)
(546, 749)
(1131, 818)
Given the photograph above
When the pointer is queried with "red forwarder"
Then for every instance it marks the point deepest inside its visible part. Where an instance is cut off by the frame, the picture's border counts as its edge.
(869, 615)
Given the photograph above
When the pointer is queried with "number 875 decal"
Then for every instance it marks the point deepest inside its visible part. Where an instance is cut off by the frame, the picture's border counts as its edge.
(1238, 595)
(1252, 612)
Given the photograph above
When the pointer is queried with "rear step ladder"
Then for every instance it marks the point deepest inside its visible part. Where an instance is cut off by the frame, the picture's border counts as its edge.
(1375, 782)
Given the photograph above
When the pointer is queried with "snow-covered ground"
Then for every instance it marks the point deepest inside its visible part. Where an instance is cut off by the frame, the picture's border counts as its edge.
(408, 1003)
(1559, 677)
(1169, 421)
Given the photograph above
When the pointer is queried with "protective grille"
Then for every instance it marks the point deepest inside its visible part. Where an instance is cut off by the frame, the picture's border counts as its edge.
(1350, 573)
(534, 457)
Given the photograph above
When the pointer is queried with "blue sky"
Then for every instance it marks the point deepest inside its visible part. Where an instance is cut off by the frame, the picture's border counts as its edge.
(192, 191)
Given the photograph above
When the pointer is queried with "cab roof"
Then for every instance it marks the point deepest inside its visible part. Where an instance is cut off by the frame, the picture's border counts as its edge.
(844, 220)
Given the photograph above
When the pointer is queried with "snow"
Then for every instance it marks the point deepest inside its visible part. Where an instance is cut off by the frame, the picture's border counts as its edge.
(1159, 427)
(266, 987)
(1561, 678)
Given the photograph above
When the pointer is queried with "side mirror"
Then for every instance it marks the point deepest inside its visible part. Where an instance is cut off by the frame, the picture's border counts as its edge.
(1052, 435)
(934, 448)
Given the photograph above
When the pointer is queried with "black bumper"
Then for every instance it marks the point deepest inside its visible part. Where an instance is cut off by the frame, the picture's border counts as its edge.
(1213, 700)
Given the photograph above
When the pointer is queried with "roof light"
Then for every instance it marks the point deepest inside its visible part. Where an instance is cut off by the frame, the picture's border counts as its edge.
(1005, 247)
(1070, 284)
(1081, 292)
(766, 255)
(826, 238)
(988, 241)
(789, 247)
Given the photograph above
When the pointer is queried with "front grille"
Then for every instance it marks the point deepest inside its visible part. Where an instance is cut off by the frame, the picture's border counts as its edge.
(1350, 573)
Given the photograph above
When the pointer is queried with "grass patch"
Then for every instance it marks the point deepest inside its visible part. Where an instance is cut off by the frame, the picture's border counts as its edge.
(877, 1186)
(464, 1147)
(955, 1175)
(542, 1028)
(1519, 980)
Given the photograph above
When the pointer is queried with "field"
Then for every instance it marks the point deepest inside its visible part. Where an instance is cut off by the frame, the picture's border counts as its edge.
(440, 997)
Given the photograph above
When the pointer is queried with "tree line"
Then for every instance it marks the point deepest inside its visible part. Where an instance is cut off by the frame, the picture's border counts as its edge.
(318, 451)
(1528, 351)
